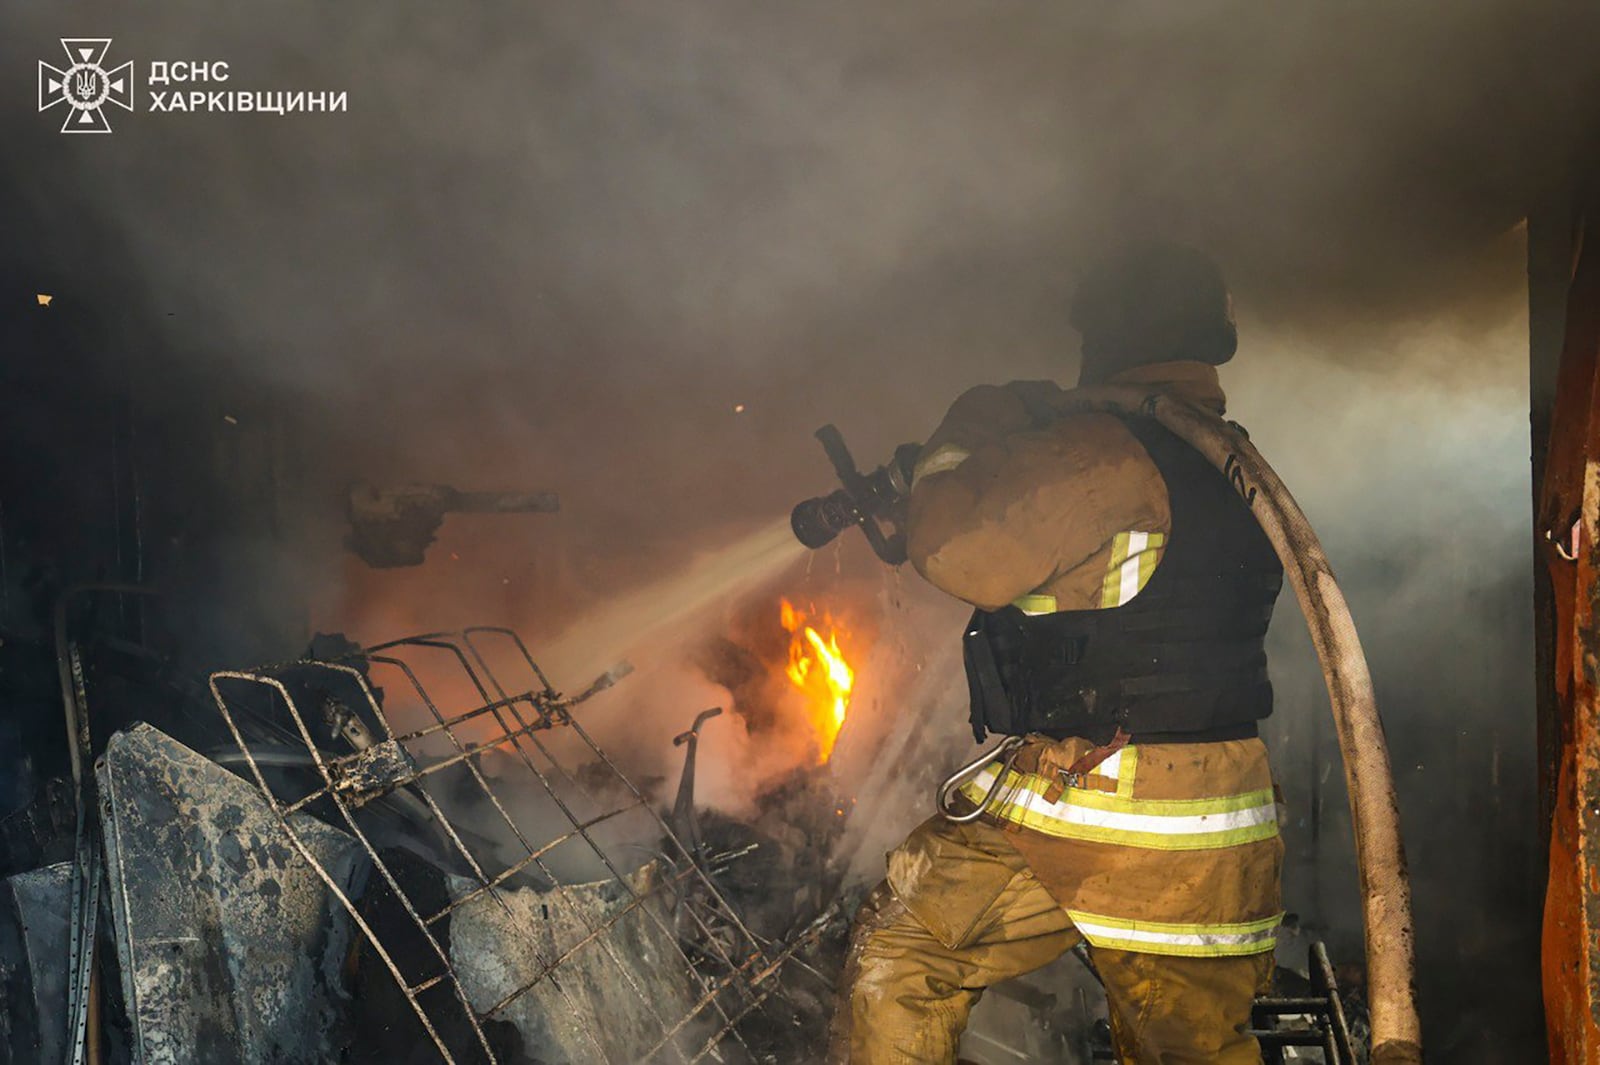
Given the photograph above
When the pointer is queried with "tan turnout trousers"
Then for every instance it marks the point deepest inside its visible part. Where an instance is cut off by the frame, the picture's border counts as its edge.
(964, 911)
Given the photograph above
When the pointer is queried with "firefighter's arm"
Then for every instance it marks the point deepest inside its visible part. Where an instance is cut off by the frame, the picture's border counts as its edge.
(979, 417)
(1022, 506)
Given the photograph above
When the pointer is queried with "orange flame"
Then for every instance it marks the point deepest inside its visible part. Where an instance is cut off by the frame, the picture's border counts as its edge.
(818, 668)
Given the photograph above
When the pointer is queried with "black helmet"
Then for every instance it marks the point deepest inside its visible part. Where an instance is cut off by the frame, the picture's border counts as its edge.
(1153, 302)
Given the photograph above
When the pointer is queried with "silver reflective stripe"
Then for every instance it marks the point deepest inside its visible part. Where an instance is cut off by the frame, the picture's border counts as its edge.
(1208, 817)
(1160, 938)
(1128, 576)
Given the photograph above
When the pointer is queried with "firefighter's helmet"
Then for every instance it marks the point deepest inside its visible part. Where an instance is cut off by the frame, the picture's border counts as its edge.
(1154, 301)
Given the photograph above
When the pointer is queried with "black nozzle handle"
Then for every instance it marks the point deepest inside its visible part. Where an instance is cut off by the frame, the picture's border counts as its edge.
(844, 464)
(863, 501)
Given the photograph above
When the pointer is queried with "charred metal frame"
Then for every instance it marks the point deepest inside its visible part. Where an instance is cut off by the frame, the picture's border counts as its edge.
(736, 967)
(1321, 1018)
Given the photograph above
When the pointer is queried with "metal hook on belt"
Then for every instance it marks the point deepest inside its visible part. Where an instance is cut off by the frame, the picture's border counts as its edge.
(1007, 752)
(1566, 545)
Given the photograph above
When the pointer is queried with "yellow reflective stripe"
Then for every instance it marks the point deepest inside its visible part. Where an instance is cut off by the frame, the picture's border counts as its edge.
(1155, 543)
(1128, 924)
(1260, 799)
(1127, 766)
(1133, 560)
(942, 458)
(1128, 573)
(1111, 587)
(1246, 801)
(1150, 824)
(1035, 604)
(1187, 940)
(1150, 841)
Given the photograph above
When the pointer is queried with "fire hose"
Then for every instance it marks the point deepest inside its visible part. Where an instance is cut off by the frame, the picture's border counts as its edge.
(1380, 854)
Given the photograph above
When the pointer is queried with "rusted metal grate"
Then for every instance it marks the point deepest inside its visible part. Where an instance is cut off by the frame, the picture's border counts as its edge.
(676, 919)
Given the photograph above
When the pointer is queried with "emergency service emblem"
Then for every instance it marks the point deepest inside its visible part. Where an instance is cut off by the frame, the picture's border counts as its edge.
(86, 86)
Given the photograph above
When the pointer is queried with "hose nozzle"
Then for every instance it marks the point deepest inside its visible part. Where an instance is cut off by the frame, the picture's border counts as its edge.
(818, 522)
(866, 500)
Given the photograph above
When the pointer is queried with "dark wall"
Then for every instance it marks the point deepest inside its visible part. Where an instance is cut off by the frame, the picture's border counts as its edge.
(127, 462)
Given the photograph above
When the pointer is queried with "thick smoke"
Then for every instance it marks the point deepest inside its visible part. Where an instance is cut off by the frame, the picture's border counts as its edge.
(556, 245)
(559, 245)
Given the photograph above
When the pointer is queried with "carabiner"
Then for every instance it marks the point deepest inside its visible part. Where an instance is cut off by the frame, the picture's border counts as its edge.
(1567, 546)
(1007, 751)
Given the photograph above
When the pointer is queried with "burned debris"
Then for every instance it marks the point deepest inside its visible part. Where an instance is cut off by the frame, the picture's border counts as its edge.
(372, 875)
(226, 938)
(418, 852)
(392, 525)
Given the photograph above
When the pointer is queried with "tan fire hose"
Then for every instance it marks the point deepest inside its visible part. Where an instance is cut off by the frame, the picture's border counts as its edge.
(1380, 856)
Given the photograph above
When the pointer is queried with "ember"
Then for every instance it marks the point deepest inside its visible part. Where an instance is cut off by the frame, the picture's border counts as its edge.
(818, 668)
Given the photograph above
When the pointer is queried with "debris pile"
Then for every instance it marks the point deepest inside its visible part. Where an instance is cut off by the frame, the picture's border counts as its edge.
(299, 863)
(376, 876)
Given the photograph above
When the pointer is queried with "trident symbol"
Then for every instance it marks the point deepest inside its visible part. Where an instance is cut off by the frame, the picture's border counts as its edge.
(86, 86)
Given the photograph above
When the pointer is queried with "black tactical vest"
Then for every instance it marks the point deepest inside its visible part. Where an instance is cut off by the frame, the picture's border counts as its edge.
(1184, 660)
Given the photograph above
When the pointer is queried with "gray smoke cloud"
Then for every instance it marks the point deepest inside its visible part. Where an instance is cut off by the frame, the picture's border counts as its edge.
(543, 216)
(556, 245)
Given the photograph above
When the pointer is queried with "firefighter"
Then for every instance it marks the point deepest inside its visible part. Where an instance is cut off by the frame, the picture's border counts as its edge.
(1123, 592)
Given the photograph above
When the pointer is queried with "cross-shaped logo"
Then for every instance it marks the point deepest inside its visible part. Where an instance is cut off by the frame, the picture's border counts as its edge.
(85, 86)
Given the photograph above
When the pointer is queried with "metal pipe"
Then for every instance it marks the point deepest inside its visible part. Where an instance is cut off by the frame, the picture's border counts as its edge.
(1375, 814)
(83, 1007)
(77, 725)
